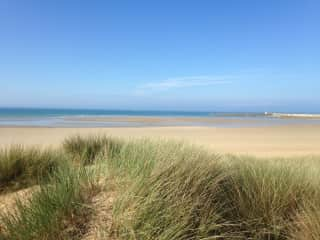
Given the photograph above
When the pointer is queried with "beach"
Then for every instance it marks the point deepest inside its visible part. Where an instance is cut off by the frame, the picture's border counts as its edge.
(270, 141)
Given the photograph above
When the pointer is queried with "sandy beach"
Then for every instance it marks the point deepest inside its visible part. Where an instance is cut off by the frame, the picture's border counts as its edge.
(281, 141)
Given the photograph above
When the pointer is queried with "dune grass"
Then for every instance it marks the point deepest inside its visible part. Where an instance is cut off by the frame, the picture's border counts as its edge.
(21, 167)
(86, 150)
(307, 224)
(57, 211)
(187, 193)
(167, 190)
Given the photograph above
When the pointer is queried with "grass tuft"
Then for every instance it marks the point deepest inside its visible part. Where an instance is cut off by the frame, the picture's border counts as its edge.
(86, 149)
(21, 167)
(57, 211)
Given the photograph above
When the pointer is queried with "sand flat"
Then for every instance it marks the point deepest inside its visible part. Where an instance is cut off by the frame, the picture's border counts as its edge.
(282, 141)
(150, 119)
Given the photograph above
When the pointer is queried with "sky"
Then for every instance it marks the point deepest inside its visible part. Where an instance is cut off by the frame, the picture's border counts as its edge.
(201, 55)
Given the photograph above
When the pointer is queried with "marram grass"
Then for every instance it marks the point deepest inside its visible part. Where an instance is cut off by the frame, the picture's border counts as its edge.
(86, 150)
(167, 190)
(22, 167)
(58, 210)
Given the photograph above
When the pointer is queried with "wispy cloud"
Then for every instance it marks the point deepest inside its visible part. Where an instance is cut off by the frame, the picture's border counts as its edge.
(184, 82)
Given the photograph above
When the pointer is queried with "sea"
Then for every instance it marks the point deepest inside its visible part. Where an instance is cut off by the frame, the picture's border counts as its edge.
(45, 117)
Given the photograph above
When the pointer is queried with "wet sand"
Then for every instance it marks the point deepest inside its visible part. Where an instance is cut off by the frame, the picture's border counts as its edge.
(280, 141)
(146, 120)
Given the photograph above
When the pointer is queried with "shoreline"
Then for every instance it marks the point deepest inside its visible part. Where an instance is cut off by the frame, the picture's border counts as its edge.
(152, 121)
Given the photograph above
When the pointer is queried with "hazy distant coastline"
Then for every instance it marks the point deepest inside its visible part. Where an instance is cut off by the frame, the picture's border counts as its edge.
(293, 115)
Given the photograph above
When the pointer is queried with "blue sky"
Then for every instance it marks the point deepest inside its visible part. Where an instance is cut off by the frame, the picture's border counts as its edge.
(225, 55)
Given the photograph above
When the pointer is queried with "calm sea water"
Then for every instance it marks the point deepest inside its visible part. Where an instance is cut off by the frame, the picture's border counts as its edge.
(32, 112)
(84, 118)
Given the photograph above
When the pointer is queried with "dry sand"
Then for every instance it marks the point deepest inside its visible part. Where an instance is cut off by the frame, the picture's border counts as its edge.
(282, 141)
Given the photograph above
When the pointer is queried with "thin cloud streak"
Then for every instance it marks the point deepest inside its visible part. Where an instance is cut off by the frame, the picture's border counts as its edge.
(184, 82)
